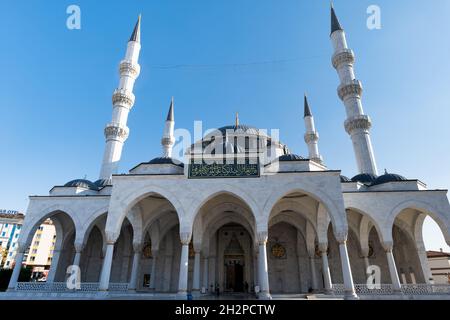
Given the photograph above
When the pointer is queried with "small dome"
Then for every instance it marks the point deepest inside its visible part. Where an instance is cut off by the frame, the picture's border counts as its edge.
(100, 183)
(166, 160)
(364, 178)
(290, 157)
(388, 177)
(345, 179)
(81, 183)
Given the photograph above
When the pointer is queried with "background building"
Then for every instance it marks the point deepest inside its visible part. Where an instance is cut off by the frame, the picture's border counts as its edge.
(10, 226)
(439, 262)
(38, 255)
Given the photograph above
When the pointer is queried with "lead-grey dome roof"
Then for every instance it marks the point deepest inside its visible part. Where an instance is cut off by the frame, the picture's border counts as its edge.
(290, 157)
(388, 177)
(367, 178)
(82, 183)
(166, 160)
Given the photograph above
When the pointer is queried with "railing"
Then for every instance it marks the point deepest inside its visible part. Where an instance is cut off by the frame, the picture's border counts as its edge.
(118, 287)
(425, 289)
(62, 287)
(386, 289)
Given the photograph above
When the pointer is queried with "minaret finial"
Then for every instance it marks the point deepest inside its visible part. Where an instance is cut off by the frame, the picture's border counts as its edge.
(136, 35)
(170, 115)
(307, 109)
(335, 25)
(237, 119)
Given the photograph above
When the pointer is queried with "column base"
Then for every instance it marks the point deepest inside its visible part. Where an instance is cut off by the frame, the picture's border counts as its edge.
(182, 295)
(329, 292)
(350, 295)
(196, 293)
(264, 296)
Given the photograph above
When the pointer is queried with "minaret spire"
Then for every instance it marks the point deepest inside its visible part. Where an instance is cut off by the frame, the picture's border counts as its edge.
(311, 135)
(357, 124)
(307, 109)
(335, 25)
(116, 132)
(168, 138)
(237, 119)
(136, 35)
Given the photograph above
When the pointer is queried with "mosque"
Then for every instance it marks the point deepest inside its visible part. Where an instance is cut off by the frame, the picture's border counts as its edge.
(240, 214)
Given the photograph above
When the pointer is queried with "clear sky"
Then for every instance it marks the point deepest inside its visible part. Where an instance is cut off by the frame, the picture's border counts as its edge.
(256, 57)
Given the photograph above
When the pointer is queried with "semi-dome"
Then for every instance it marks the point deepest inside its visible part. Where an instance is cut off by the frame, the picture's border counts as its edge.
(388, 177)
(290, 157)
(166, 160)
(82, 183)
(364, 178)
(345, 179)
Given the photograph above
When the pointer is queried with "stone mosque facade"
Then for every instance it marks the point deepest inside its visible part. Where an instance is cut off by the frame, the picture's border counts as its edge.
(263, 222)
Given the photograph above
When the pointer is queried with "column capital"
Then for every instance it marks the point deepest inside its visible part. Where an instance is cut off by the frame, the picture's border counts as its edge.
(137, 247)
(341, 236)
(323, 247)
(262, 237)
(79, 246)
(185, 238)
(111, 237)
(388, 246)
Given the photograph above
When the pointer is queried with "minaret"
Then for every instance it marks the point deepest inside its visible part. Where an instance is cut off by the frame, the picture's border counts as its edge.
(168, 138)
(311, 135)
(357, 124)
(116, 132)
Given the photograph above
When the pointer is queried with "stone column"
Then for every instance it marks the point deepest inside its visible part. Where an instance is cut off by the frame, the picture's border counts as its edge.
(196, 280)
(212, 275)
(262, 266)
(392, 267)
(77, 258)
(205, 273)
(137, 248)
(54, 266)
(153, 271)
(323, 247)
(312, 265)
(185, 238)
(255, 269)
(349, 286)
(107, 264)
(18, 266)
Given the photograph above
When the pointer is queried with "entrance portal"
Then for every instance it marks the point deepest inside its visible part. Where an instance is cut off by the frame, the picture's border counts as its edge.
(234, 274)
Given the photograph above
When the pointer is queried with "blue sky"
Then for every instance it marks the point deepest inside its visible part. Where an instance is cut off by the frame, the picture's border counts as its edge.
(255, 57)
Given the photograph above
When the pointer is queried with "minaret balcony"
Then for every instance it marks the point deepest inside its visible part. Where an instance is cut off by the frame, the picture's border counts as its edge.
(123, 98)
(129, 69)
(114, 131)
(345, 56)
(353, 88)
(311, 137)
(360, 122)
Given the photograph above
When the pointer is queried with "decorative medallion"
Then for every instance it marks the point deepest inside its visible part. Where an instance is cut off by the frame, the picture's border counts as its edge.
(278, 251)
(147, 252)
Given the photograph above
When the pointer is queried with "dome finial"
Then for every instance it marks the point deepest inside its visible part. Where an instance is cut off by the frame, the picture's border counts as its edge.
(385, 171)
(237, 119)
